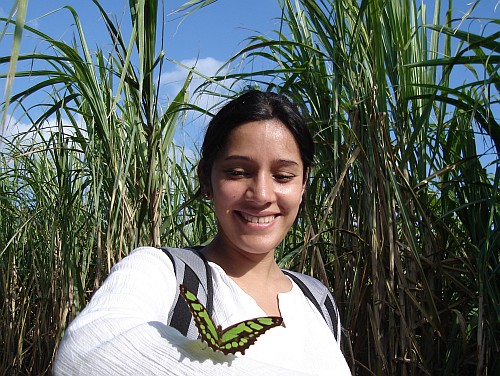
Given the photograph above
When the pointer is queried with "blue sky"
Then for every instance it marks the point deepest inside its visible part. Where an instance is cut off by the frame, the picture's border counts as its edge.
(214, 31)
(209, 36)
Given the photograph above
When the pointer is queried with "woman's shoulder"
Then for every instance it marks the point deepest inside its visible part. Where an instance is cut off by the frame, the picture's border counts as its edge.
(147, 251)
(321, 297)
(144, 266)
(316, 287)
(144, 256)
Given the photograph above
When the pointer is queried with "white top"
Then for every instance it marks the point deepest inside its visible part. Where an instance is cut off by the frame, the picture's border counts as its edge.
(123, 329)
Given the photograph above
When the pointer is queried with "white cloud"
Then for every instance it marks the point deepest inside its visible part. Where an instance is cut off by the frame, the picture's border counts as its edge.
(206, 66)
(25, 135)
(171, 82)
(189, 134)
(14, 127)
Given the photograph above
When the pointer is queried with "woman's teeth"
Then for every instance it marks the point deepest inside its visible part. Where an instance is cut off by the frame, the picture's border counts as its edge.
(252, 219)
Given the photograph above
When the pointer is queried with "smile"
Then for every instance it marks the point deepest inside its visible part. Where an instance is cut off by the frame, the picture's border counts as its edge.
(259, 220)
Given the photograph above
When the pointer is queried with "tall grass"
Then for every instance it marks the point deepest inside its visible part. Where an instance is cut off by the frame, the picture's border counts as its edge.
(402, 216)
(96, 175)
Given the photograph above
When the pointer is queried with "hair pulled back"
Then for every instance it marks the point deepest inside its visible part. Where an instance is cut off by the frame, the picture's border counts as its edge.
(255, 105)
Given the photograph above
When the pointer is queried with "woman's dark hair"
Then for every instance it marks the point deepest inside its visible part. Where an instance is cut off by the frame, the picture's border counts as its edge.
(254, 105)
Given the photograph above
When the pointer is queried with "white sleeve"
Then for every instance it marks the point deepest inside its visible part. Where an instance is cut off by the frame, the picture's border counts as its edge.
(123, 329)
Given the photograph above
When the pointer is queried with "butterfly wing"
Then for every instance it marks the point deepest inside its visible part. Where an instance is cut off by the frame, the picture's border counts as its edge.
(242, 335)
(202, 319)
(237, 337)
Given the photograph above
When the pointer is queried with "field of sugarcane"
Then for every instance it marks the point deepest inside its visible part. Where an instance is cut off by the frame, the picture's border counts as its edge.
(402, 213)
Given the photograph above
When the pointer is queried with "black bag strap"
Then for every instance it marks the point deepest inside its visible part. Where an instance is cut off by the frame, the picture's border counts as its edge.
(192, 270)
(210, 282)
(188, 260)
(305, 290)
(326, 307)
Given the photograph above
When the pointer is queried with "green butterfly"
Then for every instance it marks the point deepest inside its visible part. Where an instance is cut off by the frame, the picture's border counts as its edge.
(237, 337)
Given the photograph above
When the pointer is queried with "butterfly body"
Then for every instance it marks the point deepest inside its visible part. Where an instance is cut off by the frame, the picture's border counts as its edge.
(237, 337)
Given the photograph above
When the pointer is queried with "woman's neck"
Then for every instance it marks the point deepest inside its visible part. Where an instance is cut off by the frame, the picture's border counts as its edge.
(257, 274)
(238, 263)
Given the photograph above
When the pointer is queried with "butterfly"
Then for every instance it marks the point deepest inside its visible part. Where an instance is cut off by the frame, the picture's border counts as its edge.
(237, 337)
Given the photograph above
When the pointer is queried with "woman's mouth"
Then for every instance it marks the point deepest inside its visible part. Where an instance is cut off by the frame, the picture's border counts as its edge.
(258, 220)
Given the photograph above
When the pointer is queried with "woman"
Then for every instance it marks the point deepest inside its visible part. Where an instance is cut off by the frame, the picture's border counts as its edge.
(255, 162)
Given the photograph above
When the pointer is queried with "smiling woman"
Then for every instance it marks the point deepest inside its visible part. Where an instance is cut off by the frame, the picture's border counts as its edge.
(257, 186)
(255, 161)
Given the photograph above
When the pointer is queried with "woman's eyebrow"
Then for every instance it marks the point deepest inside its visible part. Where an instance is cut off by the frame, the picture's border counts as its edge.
(236, 157)
(287, 162)
(281, 162)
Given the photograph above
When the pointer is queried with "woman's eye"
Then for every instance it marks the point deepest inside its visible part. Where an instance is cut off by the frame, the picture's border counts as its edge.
(283, 177)
(235, 173)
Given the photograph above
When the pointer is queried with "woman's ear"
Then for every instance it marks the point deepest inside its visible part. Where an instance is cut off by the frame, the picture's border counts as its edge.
(204, 181)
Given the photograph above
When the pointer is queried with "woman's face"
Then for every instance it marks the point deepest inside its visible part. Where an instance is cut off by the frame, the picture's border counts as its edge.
(256, 186)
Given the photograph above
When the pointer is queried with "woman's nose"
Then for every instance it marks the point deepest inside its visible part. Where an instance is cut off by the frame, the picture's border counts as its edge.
(262, 188)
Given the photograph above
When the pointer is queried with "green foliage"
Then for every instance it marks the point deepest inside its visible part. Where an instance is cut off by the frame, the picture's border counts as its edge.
(94, 176)
(402, 217)
(402, 213)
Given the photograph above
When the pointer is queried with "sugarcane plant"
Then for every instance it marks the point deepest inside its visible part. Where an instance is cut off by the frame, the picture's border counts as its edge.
(94, 174)
(402, 207)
